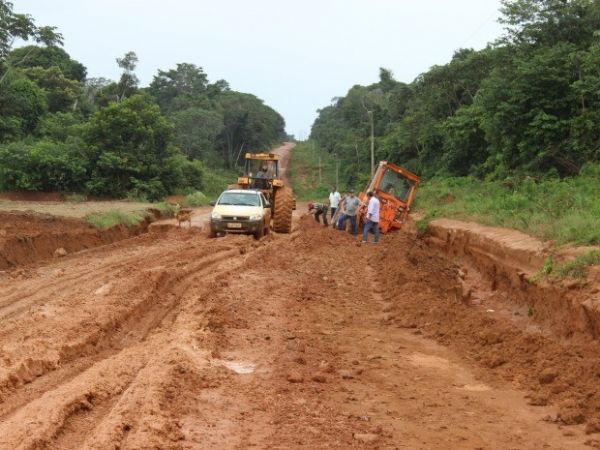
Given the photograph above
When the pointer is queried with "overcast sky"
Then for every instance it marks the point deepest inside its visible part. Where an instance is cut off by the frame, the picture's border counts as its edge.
(295, 55)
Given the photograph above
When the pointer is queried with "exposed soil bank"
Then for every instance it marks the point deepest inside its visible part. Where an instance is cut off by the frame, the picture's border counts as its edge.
(426, 292)
(28, 237)
(507, 260)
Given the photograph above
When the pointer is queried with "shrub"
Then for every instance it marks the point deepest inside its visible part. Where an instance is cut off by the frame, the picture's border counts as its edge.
(149, 190)
(42, 166)
(166, 209)
(115, 217)
(196, 199)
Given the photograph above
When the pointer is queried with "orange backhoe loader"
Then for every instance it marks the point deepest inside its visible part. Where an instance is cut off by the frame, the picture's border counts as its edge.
(395, 187)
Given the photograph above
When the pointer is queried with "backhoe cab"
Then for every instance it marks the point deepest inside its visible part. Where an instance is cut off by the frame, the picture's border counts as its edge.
(261, 171)
(395, 187)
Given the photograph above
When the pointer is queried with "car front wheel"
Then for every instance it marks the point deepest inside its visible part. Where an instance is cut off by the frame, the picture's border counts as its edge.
(261, 231)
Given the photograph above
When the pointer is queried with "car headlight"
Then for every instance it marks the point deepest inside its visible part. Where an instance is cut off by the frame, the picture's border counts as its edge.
(215, 215)
(255, 217)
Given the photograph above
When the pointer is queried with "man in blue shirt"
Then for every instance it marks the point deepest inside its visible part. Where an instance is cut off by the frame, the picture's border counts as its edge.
(372, 218)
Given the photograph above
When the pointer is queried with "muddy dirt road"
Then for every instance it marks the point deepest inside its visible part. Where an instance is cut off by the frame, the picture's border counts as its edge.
(175, 341)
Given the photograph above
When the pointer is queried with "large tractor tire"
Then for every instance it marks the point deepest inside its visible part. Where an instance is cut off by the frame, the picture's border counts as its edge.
(282, 210)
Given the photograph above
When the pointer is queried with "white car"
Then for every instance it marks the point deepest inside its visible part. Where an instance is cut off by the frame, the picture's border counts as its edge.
(241, 211)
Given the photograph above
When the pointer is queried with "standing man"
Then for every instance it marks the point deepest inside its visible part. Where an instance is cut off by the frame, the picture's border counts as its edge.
(334, 201)
(372, 218)
(318, 209)
(350, 207)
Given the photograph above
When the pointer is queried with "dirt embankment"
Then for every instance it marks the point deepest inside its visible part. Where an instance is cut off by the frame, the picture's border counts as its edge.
(28, 237)
(481, 313)
(500, 265)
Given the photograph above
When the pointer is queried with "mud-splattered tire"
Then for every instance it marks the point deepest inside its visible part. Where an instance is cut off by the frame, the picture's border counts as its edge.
(282, 210)
(259, 234)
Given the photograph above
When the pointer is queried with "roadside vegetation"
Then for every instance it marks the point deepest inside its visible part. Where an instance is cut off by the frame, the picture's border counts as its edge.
(63, 131)
(215, 182)
(115, 217)
(166, 209)
(564, 210)
(308, 181)
(576, 268)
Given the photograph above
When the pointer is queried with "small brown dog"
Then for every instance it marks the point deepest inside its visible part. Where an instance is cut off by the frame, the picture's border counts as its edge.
(184, 215)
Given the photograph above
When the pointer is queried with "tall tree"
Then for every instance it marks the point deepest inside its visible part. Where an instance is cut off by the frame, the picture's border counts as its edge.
(184, 85)
(129, 81)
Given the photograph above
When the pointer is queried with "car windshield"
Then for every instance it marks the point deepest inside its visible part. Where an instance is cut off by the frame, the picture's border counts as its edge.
(239, 198)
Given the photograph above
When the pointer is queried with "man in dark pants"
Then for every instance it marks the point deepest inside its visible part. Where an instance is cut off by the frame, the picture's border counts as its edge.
(372, 218)
(350, 209)
(318, 209)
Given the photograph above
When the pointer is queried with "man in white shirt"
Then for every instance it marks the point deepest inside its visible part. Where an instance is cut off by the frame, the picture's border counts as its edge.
(334, 201)
(372, 222)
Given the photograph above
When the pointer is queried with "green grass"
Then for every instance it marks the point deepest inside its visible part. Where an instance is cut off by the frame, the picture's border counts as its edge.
(577, 267)
(76, 198)
(115, 217)
(573, 268)
(197, 199)
(215, 181)
(566, 211)
(304, 172)
(166, 209)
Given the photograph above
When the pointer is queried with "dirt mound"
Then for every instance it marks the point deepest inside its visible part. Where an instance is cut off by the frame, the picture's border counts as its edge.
(28, 237)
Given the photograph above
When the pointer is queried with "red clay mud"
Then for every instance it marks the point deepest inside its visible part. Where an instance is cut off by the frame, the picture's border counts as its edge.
(176, 341)
(29, 237)
(505, 265)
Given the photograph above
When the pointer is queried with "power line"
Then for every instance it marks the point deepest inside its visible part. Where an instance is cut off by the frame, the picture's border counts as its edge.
(479, 28)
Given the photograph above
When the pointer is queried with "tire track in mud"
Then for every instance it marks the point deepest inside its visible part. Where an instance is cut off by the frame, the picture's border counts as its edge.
(172, 285)
(11, 305)
(286, 343)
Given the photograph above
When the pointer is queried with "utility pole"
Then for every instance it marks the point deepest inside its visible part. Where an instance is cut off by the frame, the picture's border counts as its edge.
(370, 112)
(320, 171)
(337, 170)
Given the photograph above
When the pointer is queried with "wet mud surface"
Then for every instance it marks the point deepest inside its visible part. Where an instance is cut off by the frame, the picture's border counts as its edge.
(172, 340)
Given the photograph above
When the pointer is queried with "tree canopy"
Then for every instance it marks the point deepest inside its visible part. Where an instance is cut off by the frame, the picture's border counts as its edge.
(527, 104)
(60, 130)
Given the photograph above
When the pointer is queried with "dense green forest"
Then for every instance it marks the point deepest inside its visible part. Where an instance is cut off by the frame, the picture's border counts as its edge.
(63, 131)
(528, 105)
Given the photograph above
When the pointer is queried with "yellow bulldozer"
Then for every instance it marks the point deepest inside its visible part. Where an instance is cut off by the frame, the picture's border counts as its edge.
(261, 172)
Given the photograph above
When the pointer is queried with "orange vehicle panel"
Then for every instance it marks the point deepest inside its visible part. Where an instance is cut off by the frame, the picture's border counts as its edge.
(395, 187)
